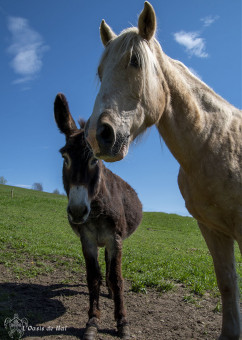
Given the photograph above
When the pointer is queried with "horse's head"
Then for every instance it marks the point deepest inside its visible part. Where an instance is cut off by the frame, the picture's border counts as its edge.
(131, 97)
(81, 170)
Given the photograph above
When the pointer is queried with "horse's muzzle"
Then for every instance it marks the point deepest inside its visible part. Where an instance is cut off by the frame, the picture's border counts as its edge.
(105, 141)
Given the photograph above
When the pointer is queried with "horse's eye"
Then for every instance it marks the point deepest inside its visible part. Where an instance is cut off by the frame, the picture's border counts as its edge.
(134, 61)
(92, 162)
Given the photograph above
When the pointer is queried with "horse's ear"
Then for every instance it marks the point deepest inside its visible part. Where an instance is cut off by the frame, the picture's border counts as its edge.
(106, 33)
(63, 117)
(147, 22)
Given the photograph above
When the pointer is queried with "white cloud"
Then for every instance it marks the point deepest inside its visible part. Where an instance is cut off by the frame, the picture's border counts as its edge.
(194, 44)
(22, 80)
(209, 20)
(192, 41)
(25, 186)
(27, 48)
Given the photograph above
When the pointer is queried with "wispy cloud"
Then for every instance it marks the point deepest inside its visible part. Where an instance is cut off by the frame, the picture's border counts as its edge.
(27, 48)
(209, 20)
(194, 44)
(25, 186)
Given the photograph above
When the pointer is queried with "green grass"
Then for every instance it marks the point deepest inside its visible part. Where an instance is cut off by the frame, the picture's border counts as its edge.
(35, 238)
(170, 249)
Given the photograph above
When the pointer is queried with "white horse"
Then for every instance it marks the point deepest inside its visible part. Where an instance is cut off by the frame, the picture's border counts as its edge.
(141, 86)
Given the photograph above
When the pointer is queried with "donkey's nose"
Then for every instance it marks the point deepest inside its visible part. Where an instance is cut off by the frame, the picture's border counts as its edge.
(77, 214)
(105, 136)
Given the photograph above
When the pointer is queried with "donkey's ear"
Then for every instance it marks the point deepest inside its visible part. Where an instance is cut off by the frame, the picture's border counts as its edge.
(63, 117)
(106, 33)
(147, 22)
(82, 123)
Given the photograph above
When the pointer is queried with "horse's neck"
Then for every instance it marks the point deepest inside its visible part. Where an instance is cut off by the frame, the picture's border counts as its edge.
(186, 122)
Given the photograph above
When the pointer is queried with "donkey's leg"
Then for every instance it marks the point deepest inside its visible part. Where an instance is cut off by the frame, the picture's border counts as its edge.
(222, 251)
(239, 240)
(94, 278)
(117, 286)
(110, 293)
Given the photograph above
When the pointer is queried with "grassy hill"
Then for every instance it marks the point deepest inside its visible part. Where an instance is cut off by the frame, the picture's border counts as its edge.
(35, 237)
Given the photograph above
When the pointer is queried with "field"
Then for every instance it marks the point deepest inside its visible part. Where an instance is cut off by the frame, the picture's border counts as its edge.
(166, 257)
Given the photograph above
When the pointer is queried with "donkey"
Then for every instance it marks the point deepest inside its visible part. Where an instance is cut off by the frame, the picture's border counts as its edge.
(103, 210)
(141, 86)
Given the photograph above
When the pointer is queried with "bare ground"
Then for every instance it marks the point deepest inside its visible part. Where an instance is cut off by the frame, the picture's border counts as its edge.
(57, 310)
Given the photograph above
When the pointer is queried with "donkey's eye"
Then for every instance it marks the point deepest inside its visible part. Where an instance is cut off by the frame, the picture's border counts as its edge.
(92, 162)
(134, 62)
(67, 161)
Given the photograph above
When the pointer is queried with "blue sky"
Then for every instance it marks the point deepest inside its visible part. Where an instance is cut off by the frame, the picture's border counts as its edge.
(53, 46)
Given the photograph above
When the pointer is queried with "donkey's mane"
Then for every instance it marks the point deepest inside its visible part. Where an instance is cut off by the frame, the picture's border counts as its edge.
(80, 130)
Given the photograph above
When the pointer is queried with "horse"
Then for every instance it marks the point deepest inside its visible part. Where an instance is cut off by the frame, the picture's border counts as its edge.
(141, 86)
(103, 210)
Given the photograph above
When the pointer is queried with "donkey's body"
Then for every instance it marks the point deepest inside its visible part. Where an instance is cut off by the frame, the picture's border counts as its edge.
(140, 87)
(103, 210)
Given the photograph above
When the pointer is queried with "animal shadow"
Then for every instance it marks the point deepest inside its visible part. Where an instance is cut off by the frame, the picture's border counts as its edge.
(37, 304)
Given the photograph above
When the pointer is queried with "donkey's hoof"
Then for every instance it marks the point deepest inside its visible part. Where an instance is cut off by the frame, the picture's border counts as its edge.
(90, 333)
(123, 332)
(91, 329)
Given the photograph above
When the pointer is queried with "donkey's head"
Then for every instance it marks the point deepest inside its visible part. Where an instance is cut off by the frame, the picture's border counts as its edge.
(131, 95)
(81, 170)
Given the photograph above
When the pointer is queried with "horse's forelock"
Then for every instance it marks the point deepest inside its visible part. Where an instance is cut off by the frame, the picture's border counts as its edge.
(129, 40)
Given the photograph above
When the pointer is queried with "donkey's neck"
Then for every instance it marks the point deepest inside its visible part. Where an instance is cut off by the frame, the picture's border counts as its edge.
(191, 112)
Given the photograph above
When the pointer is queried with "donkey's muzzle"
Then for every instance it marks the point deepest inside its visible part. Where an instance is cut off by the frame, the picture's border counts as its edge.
(78, 214)
(79, 206)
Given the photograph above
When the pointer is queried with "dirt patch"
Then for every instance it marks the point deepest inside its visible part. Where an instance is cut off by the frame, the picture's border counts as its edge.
(58, 310)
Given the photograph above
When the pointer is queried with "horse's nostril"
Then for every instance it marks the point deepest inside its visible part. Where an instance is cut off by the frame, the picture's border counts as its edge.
(105, 135)
(107, 132)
